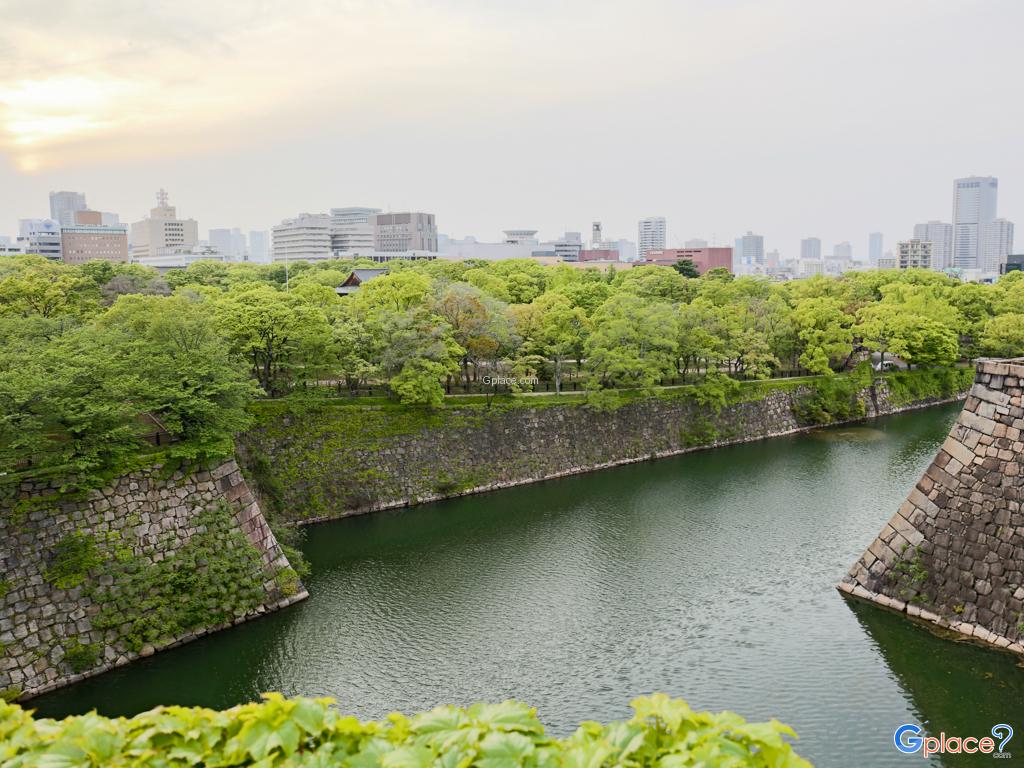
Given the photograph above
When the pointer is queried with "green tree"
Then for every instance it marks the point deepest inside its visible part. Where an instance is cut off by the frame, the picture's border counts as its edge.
(1003, 336)
(825, 332)
(632, 344)
(686, 268)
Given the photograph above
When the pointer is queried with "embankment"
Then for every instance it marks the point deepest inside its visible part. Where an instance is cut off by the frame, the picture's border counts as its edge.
(953, 553)
(315, 459)
(90, 581)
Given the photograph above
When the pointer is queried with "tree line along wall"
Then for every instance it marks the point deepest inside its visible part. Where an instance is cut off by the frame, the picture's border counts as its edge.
(314, 460)
(953, 553)
(92, 580)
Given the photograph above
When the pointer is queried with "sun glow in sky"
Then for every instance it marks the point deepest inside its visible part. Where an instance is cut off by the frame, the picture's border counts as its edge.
(788, 117)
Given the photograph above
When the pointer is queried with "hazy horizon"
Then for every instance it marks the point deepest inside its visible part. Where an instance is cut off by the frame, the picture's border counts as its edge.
(790, 119)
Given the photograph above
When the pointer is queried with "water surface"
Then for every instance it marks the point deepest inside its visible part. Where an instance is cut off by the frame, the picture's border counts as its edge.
(709, 576)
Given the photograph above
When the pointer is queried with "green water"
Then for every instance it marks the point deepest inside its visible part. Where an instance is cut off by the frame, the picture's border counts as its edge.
(708, 576)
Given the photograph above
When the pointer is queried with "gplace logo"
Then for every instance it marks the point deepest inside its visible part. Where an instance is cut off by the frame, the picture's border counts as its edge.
(908, 740)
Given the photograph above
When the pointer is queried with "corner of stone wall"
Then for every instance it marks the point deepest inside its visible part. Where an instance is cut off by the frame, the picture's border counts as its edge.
(953, 552)
(144, 507)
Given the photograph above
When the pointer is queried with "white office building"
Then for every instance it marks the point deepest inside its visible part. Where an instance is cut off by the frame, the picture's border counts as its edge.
(914, 254)
(351, 230)
(974, 208)
(940, 235)
(40, 236)
(810, 249)
(63, 206)
(307, 237)
(650, 235)
(997, 244)
(162, 231)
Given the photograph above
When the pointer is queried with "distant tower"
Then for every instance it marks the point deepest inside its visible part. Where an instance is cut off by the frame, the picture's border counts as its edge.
(874, 247)
(595, 234)
(974, 208)
(161, 198)
(650, 235)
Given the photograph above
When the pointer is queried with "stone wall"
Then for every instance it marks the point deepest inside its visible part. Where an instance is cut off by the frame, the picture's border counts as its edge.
(320, 461)
(953, 554)
(57, 551)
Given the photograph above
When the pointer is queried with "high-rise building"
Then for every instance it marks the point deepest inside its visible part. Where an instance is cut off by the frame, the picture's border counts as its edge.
(810, 249)
(749, 250)
(940, 235)
(162, 232)
(843, 252)
(307, 237)
(259, 246)
(410, 231)
(974, 208)
(997, 244)
(914, 254)
(230, 243)
(874, 247)
(40, 236)
(63, 206)
(650, 235)
(351, 230)
(596, 237)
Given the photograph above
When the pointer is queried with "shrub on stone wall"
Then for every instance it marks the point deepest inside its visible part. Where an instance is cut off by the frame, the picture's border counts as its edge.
(927, 383)
(309, 732)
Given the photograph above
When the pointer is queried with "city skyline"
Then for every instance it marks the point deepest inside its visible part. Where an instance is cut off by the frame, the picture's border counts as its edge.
(504, 105)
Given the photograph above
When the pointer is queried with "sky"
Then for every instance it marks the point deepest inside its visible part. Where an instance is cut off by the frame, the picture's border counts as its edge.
(790, 118)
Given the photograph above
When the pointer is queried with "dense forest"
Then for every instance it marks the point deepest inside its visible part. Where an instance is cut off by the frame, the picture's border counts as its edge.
(97, 357)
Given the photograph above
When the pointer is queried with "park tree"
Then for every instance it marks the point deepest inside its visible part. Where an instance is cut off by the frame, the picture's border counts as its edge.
(561, 332)
(686, 268)
(276, 333)
(1003, 336)
(825, 333)
(632, 344)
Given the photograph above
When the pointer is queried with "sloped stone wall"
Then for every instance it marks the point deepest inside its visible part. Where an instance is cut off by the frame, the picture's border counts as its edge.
(324, 461)
(142, 515)
(953, 553)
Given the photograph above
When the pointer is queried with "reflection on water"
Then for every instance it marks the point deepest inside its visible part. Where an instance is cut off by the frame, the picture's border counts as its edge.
(709, 576)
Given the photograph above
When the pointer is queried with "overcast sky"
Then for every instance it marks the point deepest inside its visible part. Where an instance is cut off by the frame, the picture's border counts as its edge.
(788, 118)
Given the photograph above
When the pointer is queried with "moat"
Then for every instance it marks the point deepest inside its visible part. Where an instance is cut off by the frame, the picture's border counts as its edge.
(708, 576)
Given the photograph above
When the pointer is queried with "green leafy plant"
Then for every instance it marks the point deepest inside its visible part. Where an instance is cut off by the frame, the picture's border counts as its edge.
(71, 560)
(281, 732)
(81, 656)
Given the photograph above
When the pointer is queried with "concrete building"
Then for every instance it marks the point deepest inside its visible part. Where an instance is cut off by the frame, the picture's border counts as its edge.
(259, 246)
(568, 247)
(874, 247)
(162, 231)
(39, 236)
(307, 237)
(810, 249)
(696, 242)
(87, 242)
(408, 231)
(997, 244)
(974, 208)
(650, 235)
(940, 235)
(351, 230)
(63, 206)
(471, 248)
(521, 237)
(596, 237)
(749, 250)
(1014, 263)
(842, 252)
(888, 261)
(704, 259)
(914, 254)
(230, 242)
(180, 257)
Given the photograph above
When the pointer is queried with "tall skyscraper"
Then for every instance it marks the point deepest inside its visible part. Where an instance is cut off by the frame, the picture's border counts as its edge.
(230, 242)
(750, 249)
(874, 247)
(259, 246)
(997, 244)
(810, 249)
(351, 230)
(940, 235)
(650, 235)
(974, 208)
(63, 206)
